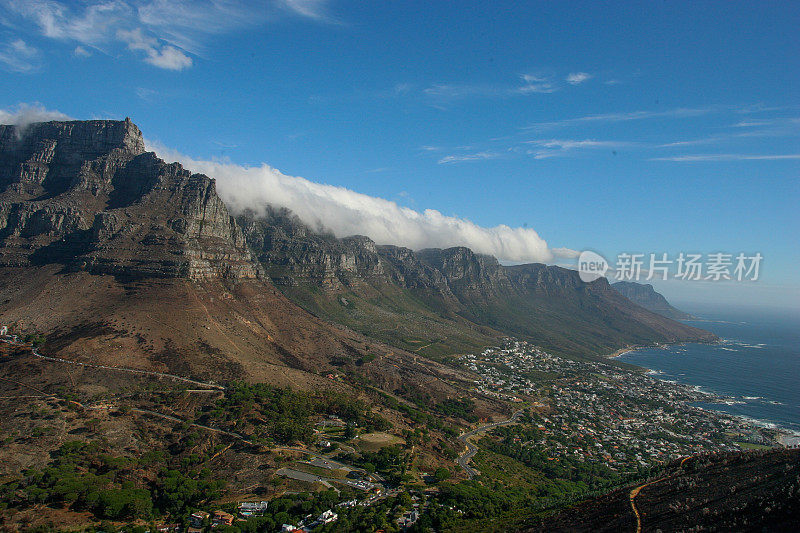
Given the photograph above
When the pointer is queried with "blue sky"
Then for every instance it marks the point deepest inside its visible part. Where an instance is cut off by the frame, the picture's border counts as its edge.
(626, 127)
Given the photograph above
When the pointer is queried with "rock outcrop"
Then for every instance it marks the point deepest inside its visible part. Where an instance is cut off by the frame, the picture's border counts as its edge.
(388, 289)
(87, 195)
(645, 295)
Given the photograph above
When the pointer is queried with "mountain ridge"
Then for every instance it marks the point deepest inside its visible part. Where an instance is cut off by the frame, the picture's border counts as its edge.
(472, 292)
(87, 197)
(645, 295)
(122, 259)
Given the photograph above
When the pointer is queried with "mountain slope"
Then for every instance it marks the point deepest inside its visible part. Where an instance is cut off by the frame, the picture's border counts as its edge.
(122, 259)
(752, 491)
(646, 296)
(445, 301)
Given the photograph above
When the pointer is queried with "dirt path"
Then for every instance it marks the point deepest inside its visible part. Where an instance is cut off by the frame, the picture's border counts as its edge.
(35, 352)
(635, 492)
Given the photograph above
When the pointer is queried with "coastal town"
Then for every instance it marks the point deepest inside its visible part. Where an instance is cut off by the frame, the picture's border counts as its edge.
(571, 416)
(594, 410)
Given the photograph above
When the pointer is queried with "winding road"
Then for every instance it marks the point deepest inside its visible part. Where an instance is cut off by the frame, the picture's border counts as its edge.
(635, 492)
(471, 450)
(35, 352)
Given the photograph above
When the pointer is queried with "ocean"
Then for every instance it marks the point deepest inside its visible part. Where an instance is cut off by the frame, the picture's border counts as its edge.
(757, 365)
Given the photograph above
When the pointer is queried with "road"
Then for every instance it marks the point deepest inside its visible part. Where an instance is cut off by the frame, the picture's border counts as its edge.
(465, 458)
(635, 492)
(35, 352)
(182, 421)
(314, 478)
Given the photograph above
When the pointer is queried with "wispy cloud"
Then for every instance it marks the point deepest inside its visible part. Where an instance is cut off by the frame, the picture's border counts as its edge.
(160, 55)
(462, 158)
(91, 23)
(528, 84)
(546, 148)
(19, 56)
(536, 84)
(146, 94)
(576, 78)
(456, 91)
(80, 51)
(313, 9)
(747, 129)
(726, 157)
(679, 112)
(167, 31)
(767, 122)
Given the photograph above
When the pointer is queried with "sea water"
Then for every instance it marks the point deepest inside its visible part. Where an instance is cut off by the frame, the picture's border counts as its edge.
(756, 365)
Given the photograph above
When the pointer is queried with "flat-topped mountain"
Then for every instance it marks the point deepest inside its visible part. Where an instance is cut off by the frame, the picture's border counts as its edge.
(646, 296)
(120, 258)
(82, 200)
(88, 196)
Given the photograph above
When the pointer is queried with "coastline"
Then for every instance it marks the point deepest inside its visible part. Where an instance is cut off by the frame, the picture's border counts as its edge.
(621, 352)
(785, 437)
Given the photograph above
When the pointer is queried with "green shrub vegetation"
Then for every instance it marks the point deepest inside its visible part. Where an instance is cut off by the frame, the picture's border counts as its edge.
(285, 416)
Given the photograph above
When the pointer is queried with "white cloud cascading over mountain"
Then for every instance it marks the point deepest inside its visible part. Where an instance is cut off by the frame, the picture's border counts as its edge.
(24, 115)
(337, 209)
(345, 212)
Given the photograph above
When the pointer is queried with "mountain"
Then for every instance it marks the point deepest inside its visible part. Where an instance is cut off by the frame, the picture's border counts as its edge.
(438, 302)
(86, 195)
(121, 258)
(646, 296)
(116, 254)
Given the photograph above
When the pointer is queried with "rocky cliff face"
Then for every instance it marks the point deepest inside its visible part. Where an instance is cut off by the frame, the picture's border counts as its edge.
(85, 194)
(646, 296)
(397, 285)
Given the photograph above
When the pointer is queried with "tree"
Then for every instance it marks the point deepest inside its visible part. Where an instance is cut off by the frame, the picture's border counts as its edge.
(441, 474)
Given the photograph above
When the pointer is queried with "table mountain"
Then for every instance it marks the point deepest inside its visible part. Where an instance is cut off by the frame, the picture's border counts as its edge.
(122, 259)
(87, 195)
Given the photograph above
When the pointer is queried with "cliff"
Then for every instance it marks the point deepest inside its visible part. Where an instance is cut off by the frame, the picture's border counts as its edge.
(122, 259)
(86, 195)
(646, 296)
(443, 301)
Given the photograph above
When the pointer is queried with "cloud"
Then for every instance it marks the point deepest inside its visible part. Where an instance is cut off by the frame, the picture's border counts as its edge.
(565, 253)
(312, 9)
(536, 84)
(680, 112)
(346, 212)
(80, 51)
(726, 157)
(18, 56)
(162, 56)
(560, 147)
(174, 28)
(91, 25)
(25, 114)
(576, 78)
(778, 121)
(530, 84)
(146, 94)
(461, 158)
(456, 91)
